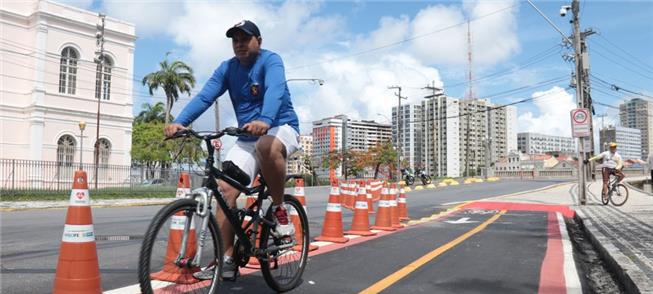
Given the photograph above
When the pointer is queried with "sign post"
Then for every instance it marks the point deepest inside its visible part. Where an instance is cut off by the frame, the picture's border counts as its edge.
(580, 128)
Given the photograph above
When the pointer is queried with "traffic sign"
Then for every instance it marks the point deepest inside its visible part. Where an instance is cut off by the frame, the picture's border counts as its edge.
(580, 123)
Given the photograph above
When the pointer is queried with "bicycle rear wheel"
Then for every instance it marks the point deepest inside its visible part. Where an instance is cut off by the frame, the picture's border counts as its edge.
(619, 195)
(162, 268)
(283, 268)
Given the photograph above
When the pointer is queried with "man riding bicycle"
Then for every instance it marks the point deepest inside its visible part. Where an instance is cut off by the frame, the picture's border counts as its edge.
(255, 79)
(612, 164)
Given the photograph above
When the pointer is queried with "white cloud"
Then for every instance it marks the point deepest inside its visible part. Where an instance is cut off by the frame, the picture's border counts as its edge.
(493, 37)
(151, 17)
(290, 27)
(553, 113)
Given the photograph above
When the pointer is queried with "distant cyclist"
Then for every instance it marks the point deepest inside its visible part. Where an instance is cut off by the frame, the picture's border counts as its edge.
(611, 163)
(256, 82)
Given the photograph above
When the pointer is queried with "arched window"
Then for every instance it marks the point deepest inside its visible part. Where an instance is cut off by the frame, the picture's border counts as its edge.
(103, 79)
(66, 150)
(105, 151)
(68, 71)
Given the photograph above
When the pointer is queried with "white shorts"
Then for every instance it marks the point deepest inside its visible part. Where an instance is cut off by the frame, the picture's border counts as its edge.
(243, 153)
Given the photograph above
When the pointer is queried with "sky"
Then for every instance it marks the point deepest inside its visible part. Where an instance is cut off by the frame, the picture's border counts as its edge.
(359, 48)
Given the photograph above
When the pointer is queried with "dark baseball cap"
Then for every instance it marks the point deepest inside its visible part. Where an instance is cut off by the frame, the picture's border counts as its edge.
(246, 26)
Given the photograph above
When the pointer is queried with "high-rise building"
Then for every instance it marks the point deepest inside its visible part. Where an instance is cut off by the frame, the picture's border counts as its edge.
(534, 143)
(411, 133)
(339, 133)
(327, 138)
(296, 163)
(628, 141)
(360, 135)
(440, 127)
(503, 132)
(637, 113)
(474, 120)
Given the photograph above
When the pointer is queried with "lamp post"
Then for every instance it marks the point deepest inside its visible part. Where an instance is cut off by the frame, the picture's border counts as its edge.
(82, 126)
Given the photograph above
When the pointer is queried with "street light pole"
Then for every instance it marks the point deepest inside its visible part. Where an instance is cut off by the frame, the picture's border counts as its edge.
(100, 59)
(82, 126)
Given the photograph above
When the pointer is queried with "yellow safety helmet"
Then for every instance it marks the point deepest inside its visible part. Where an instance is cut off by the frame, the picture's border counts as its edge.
(613, 145)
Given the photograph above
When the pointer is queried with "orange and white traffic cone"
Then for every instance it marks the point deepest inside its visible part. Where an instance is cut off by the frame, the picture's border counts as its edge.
(382, 221)
(332, 228)
(345, 193)
(394, 209)
(360, 224)
(78, 270)
(294, 216)
(171, 272)
(403, 206)
(370, 199)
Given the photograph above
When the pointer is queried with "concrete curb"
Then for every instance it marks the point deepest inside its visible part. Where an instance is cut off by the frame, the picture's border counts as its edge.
(609, 253)
(98, 204)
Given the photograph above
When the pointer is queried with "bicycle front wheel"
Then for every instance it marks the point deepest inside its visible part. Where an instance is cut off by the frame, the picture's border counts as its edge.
(286, 258)
(163, 268)
(619, 195)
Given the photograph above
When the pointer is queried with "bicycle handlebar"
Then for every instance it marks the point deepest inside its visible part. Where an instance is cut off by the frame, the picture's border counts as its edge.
(231, 131)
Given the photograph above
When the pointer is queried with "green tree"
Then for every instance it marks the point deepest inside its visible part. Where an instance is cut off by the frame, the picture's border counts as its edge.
(174, 78)
(151, 151)
(152, 113)
(382, 154)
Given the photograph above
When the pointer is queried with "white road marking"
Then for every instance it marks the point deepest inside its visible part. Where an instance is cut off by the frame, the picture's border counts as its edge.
(571, 274)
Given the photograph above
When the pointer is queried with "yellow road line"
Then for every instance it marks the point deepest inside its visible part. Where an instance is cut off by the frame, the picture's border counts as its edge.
(396, 276)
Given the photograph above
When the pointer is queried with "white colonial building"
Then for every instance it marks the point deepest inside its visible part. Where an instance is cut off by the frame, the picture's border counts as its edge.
(50, 82)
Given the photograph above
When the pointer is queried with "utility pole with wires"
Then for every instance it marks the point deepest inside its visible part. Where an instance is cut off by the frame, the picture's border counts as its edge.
(399, 142)
(579, 81)
(470, 97)
(99, 35)
(436, 93)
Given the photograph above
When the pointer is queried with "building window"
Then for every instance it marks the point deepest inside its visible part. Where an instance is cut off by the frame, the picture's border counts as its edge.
(105, 151)
(66, 150)
(105, 78)
(68, 71)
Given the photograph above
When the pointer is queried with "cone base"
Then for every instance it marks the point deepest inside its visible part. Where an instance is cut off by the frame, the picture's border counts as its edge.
(77, 286)
(253, 261)
(310, 247)
(360, 233)
(178, 278)
(332, 239)
(398, 226)
(384, 228)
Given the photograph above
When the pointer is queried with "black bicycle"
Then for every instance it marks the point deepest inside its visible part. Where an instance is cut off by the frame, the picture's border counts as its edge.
(184, 236)
(617, 192)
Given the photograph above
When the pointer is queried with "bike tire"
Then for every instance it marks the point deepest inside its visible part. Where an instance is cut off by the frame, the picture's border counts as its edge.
(269, 273)
(410, 181)
(150, 239)
(605, 198)
(619, 195)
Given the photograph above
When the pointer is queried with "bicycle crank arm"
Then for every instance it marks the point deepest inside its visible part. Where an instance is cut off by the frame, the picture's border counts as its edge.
(275, 248)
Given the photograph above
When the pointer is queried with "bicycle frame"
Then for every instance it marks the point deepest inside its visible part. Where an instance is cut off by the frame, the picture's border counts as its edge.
(204, 196)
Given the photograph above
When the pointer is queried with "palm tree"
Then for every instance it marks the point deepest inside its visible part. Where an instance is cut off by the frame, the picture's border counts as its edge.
(151, 113)
(174, 78)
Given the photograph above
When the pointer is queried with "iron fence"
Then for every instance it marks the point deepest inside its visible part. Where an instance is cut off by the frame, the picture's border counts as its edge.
(35, 175)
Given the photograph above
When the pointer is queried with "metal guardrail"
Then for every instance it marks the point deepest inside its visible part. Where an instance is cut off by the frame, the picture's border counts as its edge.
(35, 175)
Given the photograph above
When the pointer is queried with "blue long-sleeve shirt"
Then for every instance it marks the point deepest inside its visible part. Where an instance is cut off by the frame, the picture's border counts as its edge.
(257, 92)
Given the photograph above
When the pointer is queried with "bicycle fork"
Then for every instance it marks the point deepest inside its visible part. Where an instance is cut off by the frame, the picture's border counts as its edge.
(203, 197)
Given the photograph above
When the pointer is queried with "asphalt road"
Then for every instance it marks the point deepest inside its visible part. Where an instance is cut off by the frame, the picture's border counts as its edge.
(30, 239)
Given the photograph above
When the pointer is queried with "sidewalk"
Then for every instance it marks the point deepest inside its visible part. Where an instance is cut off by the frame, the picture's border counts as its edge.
(623, 235)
